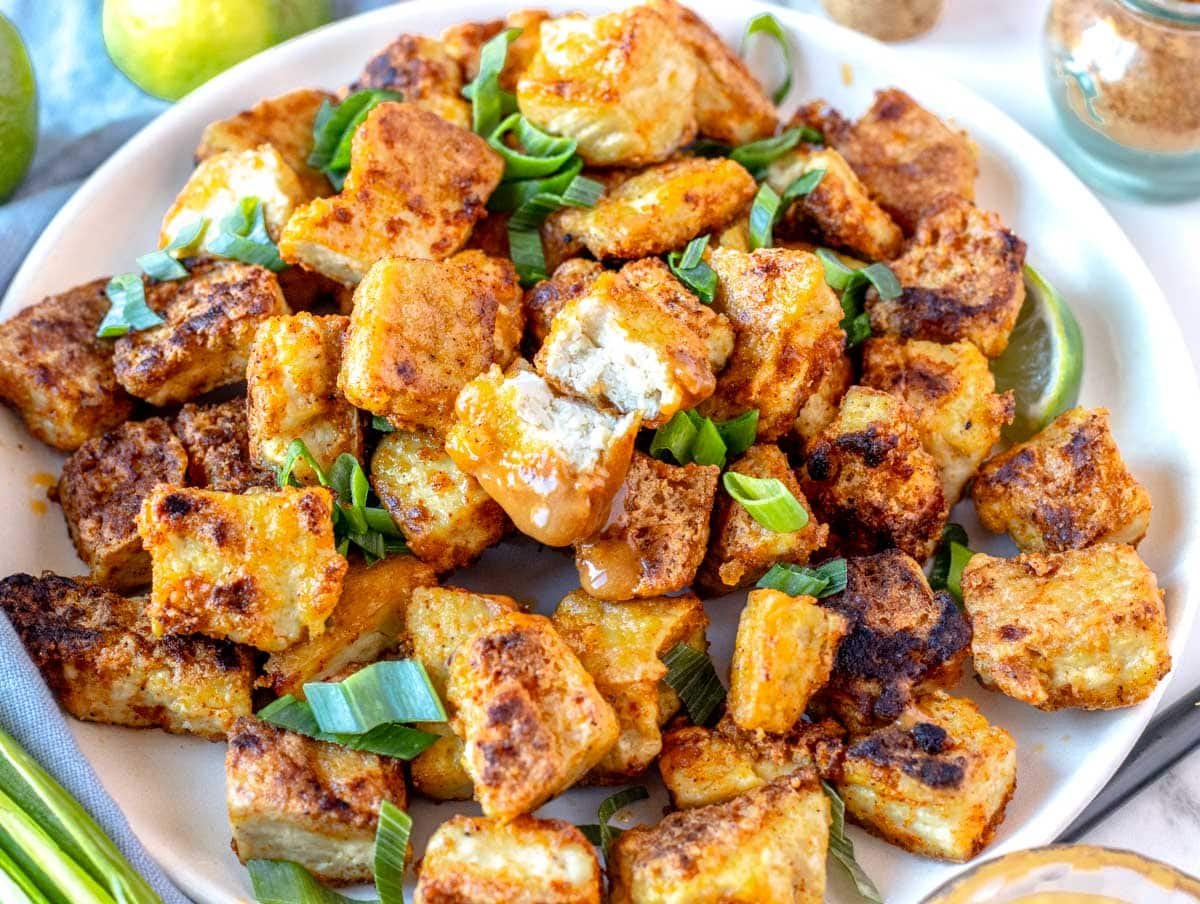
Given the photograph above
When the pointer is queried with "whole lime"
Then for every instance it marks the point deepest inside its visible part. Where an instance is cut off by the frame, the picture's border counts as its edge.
(18, 109)
(168, 47)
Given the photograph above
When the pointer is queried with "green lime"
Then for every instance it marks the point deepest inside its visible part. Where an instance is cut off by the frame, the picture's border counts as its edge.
(168, 47)
(1043, 364)
(18, 109)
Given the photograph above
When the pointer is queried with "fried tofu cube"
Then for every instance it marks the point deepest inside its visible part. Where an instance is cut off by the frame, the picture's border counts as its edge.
(367, 620)
(416, 186)
(962, 277)
(871, 479)
(935, 782)
(446, 517)
(767, 845)
(653, 278)
(1084, 628)
(285, 123)
(422, 71)
(258, 568)
(959, 414)
(622, 85)
(553, 463)
(313, 803)
(421, 330)
(661, 208)
(821, 407)
(204, 341)
(525, 861)
(787, 333)
(783, 654)
(101, 490)
(56, 374)
(95, 651)
(621, 644)
(1066, 488)
(438, 771)
(217, 441)
(741, 550)
(570, 279)
(530, 716)
(292, 393)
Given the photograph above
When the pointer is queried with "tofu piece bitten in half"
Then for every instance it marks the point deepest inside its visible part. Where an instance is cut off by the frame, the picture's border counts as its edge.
(1082, 628)
(217, 440)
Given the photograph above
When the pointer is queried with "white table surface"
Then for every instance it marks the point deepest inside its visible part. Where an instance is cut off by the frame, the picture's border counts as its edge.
(994, 46)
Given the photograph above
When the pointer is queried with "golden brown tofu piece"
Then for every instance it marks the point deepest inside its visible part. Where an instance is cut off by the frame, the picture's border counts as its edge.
(464, 41)
(446, 517)
(962, 277)
(661, 208)
(284, 122)
(96, 653)
(821, 407)
(904, 641)
(950, 389)
(1084, 628)
(553, 463)
(621, 85)
(420, 69)
(56, 374)
(653, 278)
(438, 771)
(204, 341)
(570, 279)
(421, 330)
(870, 478)
(258, 568)
(313, 803)
(217, 442)
(783, 654)
(1065, 488)
(525, 861)
(292, 393)
(367, 620)
(719, 853)
(935, 782)
(531, 718)
(657, 535)
(741, 550)
(787, 328)
(416, 186)
(101, 490)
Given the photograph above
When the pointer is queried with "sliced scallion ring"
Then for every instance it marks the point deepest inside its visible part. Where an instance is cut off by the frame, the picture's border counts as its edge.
(391, 852)
(388, 691)
(739, 432)
(128, 310)
(841, 848)
(767, 24)
(763, 212)
(394, 740)
(826, 579)
(543, 154)
(691, 270)
(767, 501)
(691, 674)
(489, 103)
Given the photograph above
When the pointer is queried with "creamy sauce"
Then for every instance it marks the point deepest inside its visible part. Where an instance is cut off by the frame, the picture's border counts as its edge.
(42, 479)
(38, 506)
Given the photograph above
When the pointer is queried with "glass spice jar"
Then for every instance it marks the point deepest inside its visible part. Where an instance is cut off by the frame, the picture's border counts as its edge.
(1125, 79)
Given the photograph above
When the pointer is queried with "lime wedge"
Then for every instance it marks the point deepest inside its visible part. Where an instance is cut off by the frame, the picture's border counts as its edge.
(18, 109)
(1043, 364)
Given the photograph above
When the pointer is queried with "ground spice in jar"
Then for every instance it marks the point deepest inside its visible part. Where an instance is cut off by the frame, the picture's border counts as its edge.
(887, 20)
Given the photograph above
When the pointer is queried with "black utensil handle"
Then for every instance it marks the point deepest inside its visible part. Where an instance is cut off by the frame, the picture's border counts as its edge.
(1172, 734)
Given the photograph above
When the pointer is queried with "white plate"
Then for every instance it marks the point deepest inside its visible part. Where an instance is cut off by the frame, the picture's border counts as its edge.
(172, 789)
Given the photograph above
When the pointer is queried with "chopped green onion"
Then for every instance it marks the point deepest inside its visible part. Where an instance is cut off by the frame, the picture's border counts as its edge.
(163, 265)
(765, 23)
(244, 237)
(841, 848)
(767, 500)
(708, 447)
(489, 103)
(285, 882)
(387, 691)
(675, 436)
(127, 310)
(508, 196)
(334, 128)
(802, 186)
(691, 270)
(602, 835)
(951, 558)
(690, 673)
(524, 235)
(381, 424)
(690, 437)
(297, 450)
(739, 432)
(796, 580)
(853, 284)
(16, 886)
(391, 852)
(544, 154)
(708, 147)
(758, 155)
(399, 741)
(762, 217)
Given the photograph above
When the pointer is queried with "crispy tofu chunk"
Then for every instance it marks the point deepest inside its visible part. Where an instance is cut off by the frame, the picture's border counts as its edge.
(285, 123)
(661, 208)
(652, 277)
(935, 782)
(96, 653)
(101, 490)
(623, 85)
(1065, 488)
(258, 568)
(553, 463)
(316, 804)
(950, 388)
(572, 278)
(367, 620)
(416, 186)
(904, 641)
(787, 333)
(438, 772)
(446, 517)
(204, 341)
(742, 550)
(529, 714)
(421, 330)
(1084, 628)
(767, 845)
(420, 69)
(783, 654)
(821, 407)
(292, 392)
(56, 374)
(464, 41)
(870, 478)
(217, 442)
(525, 861)
(962, 278)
